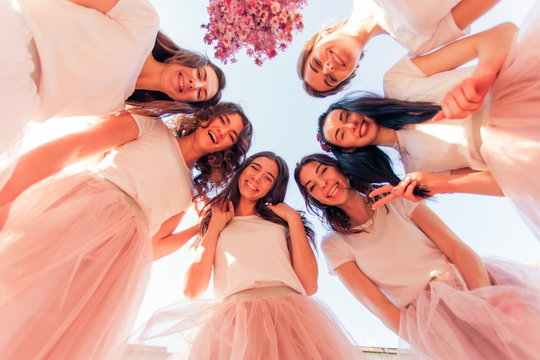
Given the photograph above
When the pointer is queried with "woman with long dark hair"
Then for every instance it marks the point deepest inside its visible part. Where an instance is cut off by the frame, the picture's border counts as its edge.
(485, 151)
(260, 254)
(411, 271)
(76, 249)
(72, 58)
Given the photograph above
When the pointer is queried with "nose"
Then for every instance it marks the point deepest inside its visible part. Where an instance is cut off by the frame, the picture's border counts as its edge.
(195, 84)
(323, 183)
(328, 67)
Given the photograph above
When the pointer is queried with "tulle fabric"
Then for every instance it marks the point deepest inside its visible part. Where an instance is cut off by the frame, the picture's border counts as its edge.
(18, 93)
(291, 327)
(502, 321)
(74, 257)
(511, 146)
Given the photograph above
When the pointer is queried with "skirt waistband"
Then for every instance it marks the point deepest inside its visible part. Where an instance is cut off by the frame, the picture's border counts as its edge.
(129, 200)
(260, 292)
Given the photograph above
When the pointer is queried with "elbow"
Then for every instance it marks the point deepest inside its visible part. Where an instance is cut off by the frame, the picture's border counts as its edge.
(192, 293)
(311, 288)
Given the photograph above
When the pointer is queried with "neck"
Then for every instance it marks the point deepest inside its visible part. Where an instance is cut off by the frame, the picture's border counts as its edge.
(362, 27)
(357, 208)
(385, 137)
(149, 78)
(189, 151)
(245, 207)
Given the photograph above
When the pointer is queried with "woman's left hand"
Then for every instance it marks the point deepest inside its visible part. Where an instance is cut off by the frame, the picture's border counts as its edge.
(284, 211)
(433, 183)
(466, 98)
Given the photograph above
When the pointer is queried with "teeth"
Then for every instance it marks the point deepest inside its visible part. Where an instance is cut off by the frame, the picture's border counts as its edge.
(212, 137)
(181, 82)
(333, 191)
(251, 186)
(362, 128)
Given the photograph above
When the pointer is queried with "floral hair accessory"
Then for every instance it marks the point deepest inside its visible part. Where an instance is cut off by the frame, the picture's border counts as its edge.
(261, 26)
(323, 144)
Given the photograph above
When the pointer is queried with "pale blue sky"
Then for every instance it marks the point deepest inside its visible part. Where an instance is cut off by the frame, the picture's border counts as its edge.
(284, 118)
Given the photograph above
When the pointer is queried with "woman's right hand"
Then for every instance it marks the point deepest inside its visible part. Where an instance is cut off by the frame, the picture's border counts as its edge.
(222, 213)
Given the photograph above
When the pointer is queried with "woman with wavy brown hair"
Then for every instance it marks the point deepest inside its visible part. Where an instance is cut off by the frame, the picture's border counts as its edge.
(72, 58)
(84, 242)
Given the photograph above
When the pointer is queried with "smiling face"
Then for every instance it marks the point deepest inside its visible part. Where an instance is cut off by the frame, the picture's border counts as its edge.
(325, 183)
(258, 178)
(334, 58)
(348, 129)
(188, 84)
(220, 134)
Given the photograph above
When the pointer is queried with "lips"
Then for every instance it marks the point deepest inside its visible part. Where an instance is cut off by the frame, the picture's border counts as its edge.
(337, 59)
(333, 191)
(251, 186)
(213, 136)
(180, 82)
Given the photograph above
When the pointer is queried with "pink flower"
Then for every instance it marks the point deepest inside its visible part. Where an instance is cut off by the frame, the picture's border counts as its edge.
(262, 27)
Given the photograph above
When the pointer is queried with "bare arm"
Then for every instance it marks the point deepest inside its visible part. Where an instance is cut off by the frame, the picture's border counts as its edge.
(467, 11)
(197, 276)
(365, 291)
(164, 242)
(467, 262)
(51, 157)
(459, 181)
(103, 6)
(303, 260)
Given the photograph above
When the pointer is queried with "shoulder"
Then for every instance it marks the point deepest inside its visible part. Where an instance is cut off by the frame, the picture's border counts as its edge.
(137, 11)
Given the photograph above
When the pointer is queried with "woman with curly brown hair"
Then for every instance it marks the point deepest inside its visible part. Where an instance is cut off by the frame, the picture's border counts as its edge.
(84, 242)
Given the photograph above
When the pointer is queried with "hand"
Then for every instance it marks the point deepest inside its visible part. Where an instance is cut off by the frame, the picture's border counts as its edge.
(465, 98)
(284, 211)
(221, 215)
(433, 183)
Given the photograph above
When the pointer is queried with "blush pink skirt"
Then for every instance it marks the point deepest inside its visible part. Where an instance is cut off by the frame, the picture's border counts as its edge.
(511, 146)
(74, 257)
(447, 321)
(257, 324)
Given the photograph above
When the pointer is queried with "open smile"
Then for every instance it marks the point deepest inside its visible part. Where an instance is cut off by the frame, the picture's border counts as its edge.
(251, 186)
(333, 191)
(213, 136)
(181, 82)
(337, 59)
(363, 129)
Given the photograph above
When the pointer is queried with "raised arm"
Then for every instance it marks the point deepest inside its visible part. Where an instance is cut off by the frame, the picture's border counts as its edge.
(466, 261)
(103, 6)
(467, 11)
(365, 291)
(197, 276)
(164, 242)
(51, 157)
(458, 181)
(303, 260)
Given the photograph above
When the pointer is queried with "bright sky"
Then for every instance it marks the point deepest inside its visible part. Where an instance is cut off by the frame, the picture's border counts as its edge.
(284, 118)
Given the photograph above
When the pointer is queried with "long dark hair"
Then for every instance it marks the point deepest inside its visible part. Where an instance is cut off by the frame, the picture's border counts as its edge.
(215, 169)
(156, 103)
(369, 162)
(275, 196)
(332, 216)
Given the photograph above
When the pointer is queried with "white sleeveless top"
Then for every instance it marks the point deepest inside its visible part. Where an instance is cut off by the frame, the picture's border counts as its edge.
(252, 252)
(90, 61)
(152, 171)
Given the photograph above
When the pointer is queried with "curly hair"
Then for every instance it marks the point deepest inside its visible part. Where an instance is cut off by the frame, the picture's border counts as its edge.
(306, 52)
(215, 169)
(276, 195)
(156, 103)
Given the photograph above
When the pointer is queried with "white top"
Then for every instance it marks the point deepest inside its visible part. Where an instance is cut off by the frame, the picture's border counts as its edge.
(152, 171)
(441, 146)
(418, 25)
(250, 253)
(395, 254)
(90, 61)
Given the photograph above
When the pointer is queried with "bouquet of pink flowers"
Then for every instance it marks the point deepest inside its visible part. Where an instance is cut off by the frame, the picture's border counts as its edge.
(261, 26)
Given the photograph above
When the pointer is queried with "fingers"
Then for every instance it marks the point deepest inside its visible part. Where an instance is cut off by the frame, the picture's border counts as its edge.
(439, 116)
(383, 201)
(462, 101)
(382, 190)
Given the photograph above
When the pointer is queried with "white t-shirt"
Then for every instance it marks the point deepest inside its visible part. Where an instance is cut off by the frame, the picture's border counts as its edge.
(447, 144)
(152, 171)
(395, 254)
(90, 61)
(418, 25)
(252, 252)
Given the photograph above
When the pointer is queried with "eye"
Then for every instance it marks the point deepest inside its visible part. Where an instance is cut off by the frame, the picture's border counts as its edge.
(268, 178)
(317, 62)
(332, 78)
(323, 170)
(348, 115)
(199, 94)
(311, 188)
(199, 74)
(222, 120)
(232, 138)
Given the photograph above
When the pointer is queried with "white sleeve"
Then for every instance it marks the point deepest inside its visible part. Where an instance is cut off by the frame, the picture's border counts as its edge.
(145, 124)
(335, 251)
(135, 11)
(405, 207)
(405, 81)
(445, 32)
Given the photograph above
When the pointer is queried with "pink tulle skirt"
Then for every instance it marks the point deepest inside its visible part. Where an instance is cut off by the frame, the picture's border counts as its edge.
(252, 326)
(511, 146)
(74, 257)
(502, 321)
(18, 94)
